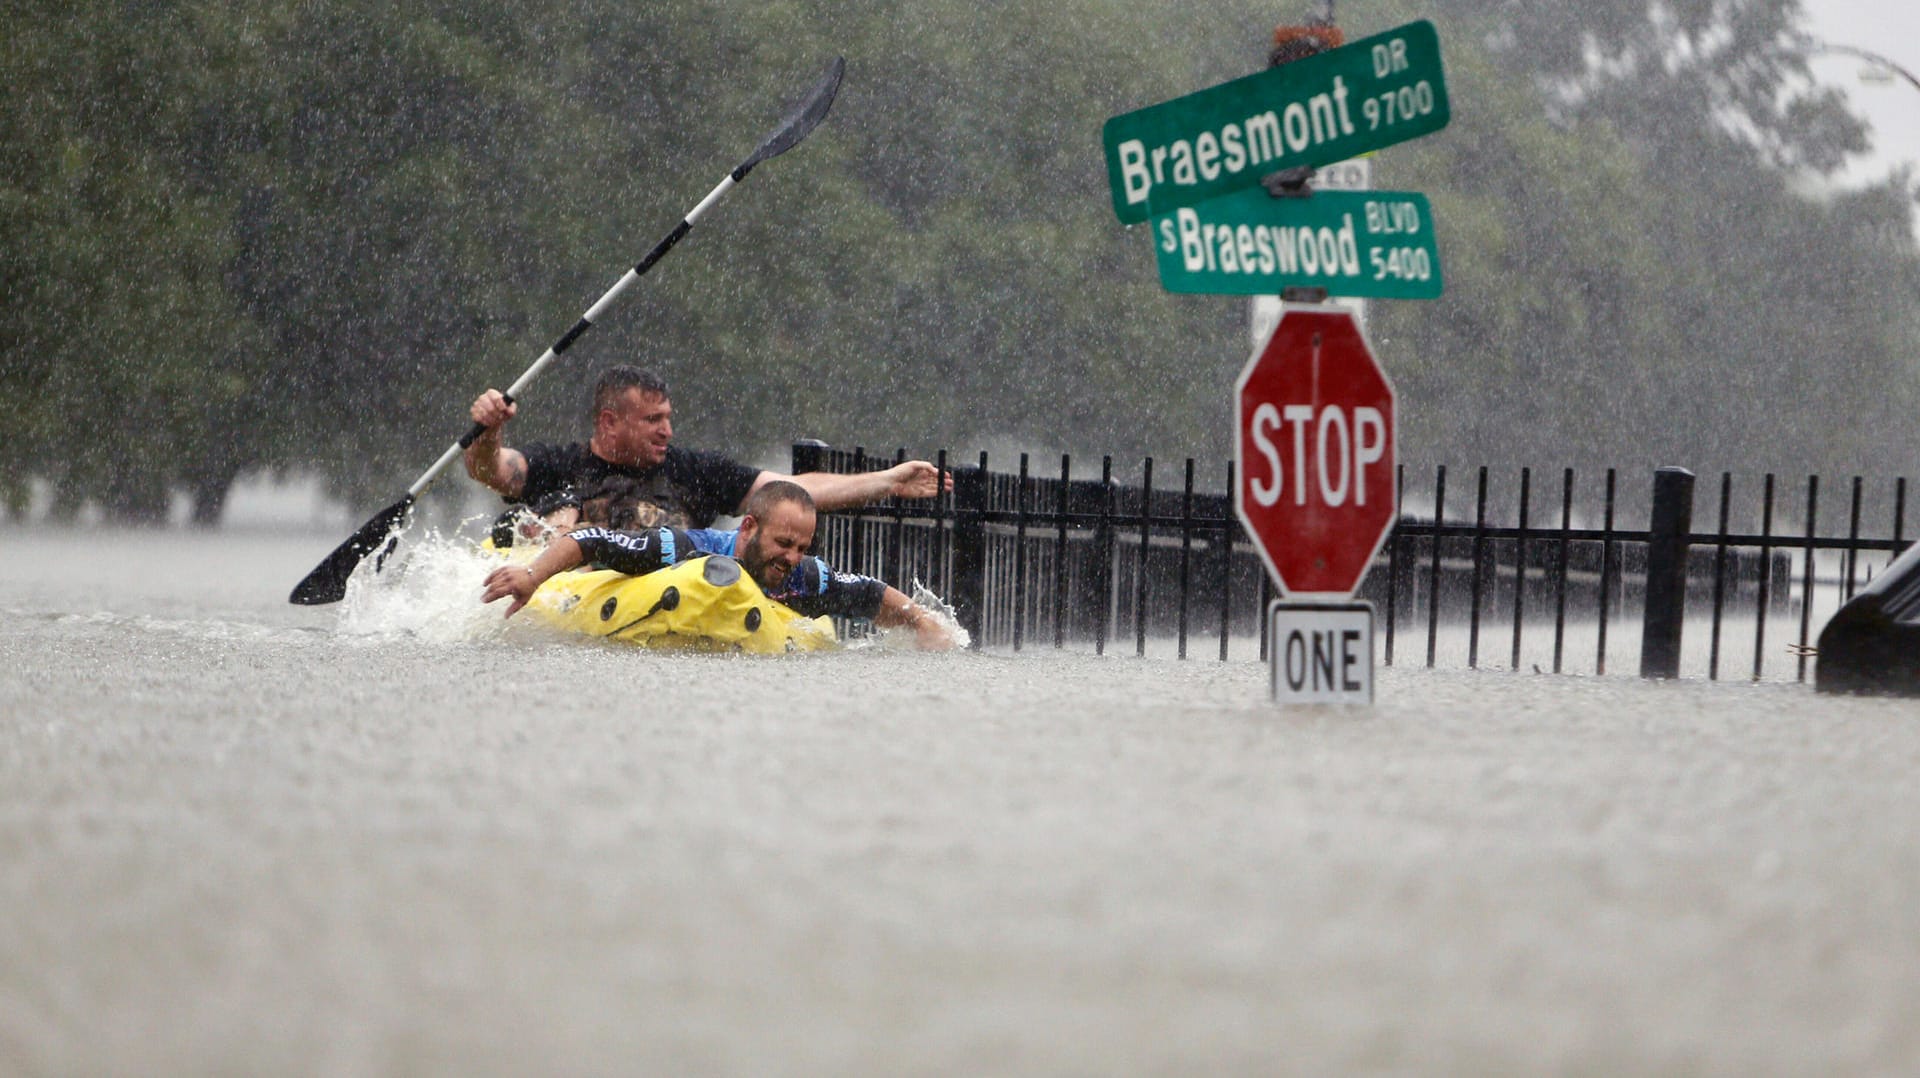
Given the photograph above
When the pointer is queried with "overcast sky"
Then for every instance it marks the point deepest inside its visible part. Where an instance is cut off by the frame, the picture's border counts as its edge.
(1892, 29)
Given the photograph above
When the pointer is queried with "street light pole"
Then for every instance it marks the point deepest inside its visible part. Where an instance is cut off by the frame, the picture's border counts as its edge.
(1863, 54)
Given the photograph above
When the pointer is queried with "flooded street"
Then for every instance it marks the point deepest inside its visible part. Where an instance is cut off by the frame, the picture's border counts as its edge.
(247, 837)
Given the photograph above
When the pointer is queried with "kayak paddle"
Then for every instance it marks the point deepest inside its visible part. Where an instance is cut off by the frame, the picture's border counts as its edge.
(327, 583)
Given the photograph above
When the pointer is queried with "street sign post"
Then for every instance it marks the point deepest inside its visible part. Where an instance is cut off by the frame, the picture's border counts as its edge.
(1352, 243)
(1263, 311)
(1376, 92)
(1314, 454)
(1320, 653)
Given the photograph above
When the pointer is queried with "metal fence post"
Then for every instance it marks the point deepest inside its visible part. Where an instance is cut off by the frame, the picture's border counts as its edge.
(814, 455)
(1103, 555)
(1666, 573)
(809, 455)
(970, 551)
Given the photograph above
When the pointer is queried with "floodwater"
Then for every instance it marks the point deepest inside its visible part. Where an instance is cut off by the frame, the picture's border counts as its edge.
(393, 837)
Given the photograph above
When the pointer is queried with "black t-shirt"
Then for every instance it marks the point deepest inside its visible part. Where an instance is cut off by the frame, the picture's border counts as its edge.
(687, 490)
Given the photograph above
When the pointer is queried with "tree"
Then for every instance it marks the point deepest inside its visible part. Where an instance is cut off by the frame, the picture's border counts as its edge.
(118, 336)
(1629, 245)
(353, 217)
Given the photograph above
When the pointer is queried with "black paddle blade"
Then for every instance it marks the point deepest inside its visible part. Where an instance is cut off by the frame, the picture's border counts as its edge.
(328, 581)
(802, 120)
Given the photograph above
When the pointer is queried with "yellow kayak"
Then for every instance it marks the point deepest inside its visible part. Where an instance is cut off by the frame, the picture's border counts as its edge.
(707, 604)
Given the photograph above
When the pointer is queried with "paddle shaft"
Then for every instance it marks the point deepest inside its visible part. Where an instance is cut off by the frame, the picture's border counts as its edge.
(585, 323)
(327, 583)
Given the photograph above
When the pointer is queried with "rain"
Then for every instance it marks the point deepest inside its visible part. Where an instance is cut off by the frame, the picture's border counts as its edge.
(259, 258)
(366, 217)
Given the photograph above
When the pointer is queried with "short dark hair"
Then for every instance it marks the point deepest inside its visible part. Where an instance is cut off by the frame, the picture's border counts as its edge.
(616, 380)
(772, 493)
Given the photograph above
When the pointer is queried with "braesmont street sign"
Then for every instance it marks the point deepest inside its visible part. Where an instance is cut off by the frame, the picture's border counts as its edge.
(1375, 92)
(1352, 243)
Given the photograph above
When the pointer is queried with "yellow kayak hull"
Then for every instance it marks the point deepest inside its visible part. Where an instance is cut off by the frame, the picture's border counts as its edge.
(707, 604)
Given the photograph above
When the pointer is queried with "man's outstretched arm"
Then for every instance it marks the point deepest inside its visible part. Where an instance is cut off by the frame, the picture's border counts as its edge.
(830, 490)
(521, 581)
(815, 589)
(633, 553)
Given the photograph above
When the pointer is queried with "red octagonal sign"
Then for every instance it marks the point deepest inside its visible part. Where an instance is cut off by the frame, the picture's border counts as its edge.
(1313, 447)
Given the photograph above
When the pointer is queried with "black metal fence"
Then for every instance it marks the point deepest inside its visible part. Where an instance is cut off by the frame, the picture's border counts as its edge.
(1569, 580)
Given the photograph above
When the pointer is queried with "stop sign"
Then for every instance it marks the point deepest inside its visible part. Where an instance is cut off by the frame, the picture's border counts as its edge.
(1313, 448)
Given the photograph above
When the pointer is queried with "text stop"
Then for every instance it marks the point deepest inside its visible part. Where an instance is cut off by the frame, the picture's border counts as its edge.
(1338, 445)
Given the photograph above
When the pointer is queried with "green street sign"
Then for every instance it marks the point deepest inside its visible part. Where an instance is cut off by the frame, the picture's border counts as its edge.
(1375, 92)
(1351, 243)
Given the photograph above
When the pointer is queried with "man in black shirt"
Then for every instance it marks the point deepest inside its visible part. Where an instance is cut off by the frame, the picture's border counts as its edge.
(655, 482)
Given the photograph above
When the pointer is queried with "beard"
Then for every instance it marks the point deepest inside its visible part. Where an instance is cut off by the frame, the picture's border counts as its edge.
(760, 567)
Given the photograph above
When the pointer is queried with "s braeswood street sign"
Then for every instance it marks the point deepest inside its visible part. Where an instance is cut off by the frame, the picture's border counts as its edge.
(1313, 454)
(1378, 91)
(1352, 243)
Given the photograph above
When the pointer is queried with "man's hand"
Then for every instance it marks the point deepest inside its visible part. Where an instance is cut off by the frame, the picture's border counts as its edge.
(502, 470)
(521, 581)
(515, 580)
(916, 479)
(492, 409)
(930, 634)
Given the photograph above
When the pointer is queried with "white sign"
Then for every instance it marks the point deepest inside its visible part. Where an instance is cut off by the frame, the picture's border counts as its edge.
(1354, 174)
(1321, 653)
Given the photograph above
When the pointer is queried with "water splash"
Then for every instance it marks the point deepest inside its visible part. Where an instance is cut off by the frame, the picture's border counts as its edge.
(942, 613)
(429, 589)
(904, 638)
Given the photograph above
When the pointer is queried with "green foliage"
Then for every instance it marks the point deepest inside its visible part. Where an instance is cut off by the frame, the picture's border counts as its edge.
(301, 237)
(120, 340)
(1637, 271)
